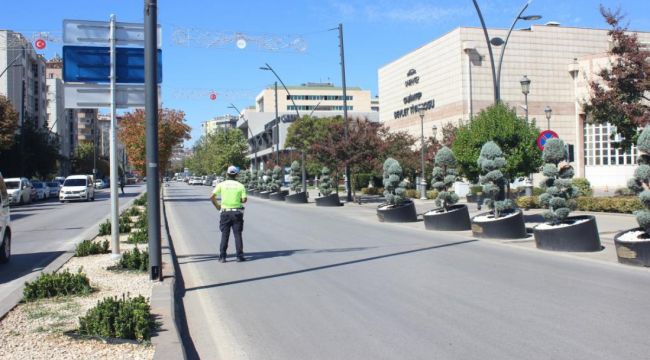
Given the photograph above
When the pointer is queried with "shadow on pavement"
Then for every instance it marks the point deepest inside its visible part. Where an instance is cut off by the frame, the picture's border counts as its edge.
(22, 264)
(189, 199)
(18, 216)
(329, 266)
(252, 256)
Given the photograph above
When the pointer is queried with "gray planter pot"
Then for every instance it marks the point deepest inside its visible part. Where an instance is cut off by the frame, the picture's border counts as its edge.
(512, 227)
(329, 200)
(579, 237)
(264, 194)
(297, 198)
(455, 219)
(401, 213)
(632, 252)
(277, 196)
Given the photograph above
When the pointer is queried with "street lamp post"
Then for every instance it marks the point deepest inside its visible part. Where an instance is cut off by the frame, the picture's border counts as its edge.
(496, 75)
(525, 89)
(268, 67)
(548, 111)
(423, 182)
(232, 106)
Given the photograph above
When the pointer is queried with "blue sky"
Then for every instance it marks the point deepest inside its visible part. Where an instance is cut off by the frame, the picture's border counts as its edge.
(376, 32)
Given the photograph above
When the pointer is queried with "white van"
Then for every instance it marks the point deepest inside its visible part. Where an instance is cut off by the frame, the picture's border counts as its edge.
(5, 229)
(77, 187)
(19, 189)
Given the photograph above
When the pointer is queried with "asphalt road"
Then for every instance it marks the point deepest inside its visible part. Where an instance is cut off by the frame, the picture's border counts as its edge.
(333, 283)
(41, 231)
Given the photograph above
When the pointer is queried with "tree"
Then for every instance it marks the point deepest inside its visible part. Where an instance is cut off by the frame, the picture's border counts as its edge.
(443, 177)
(172, 130)
(325, 185)
(640, 184)
(8, 123)
(514, 136)
(213, 153)
(276, 179)
(394, 186)
(560, 192)
(303, 133)
(491, 161)
(34, 153)
(617, 97)
(296, 177)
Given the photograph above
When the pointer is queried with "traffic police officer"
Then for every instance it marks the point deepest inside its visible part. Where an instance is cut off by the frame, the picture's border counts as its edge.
(233, 195)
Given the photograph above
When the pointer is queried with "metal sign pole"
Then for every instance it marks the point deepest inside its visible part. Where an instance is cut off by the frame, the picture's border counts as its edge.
(115, 229)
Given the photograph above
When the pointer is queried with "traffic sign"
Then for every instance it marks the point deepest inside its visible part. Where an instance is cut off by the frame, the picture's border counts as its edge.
(83, 96)
(545, 136)
(97, 33)
(40, 44)
(93, 64)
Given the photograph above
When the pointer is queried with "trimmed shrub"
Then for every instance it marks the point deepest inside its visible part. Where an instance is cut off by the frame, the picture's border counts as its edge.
(372, 191)
(640, 184)
(325, 184)
(443, 176)
(62, 283)
(583, 185)
(267, 178)
(560, 192)
(476, 189)
(244, 178)
(133, 211)
(624, 192)
(527, 202)
(296, 177)
(134, 260)
(126, 318)
(143, 221)
(124, 226)
(412, 193)
(138, 237)
(609, 204)
(253, 183)
(432, 194)
(141, 201)
(276, 179)
(89, 247)
(394, 185)
(490, 162)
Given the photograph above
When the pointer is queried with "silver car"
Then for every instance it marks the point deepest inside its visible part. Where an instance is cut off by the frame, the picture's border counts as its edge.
(5, 228)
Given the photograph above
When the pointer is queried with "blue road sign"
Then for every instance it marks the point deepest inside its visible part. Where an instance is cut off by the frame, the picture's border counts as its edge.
(91, 64)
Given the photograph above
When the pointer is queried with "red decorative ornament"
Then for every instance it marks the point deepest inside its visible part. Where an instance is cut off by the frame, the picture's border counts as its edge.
(40, 44)
(213, 96)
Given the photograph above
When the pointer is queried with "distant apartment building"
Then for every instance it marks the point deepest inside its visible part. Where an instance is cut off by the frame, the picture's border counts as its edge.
(59, 121)
(22, 77)
(219, 122)
(103, 139)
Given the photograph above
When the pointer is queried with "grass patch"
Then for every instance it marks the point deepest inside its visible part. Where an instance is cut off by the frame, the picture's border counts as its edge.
(57, 284)
(125, 318)
(89, 247)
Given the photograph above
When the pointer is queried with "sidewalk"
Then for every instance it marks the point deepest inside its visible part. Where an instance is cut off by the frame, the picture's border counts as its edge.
(609, 224)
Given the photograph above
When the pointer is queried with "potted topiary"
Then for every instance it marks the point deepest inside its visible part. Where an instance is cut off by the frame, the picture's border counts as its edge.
(503, 221)
(397, 208)
(244, 178)
(266, 184)
(276, 185)
(299, 196)
(252, 183)
(449, 215)
(633, 246)
(561, 232)
(329, 198)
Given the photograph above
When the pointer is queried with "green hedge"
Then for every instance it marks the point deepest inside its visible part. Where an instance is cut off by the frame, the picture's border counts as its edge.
(124, 226)
(126, 318)
(373, 191)
(595, 204)
(62, 283)
(89, 247)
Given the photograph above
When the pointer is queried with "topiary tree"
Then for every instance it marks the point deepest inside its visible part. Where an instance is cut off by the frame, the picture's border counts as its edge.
(276, 179)
(640, 184)
(325, 186)
(443, 176)
(296, 177)
(267, 180)
(491, 161)
(252, 183)
(560, 192)
(394, 185)
(244, 178)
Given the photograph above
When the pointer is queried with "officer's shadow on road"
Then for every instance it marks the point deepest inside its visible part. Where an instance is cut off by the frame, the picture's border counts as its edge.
(252, 256)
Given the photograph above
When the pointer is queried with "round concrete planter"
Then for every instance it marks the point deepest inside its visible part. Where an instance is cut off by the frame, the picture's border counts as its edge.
(264, 194)
(632, 252)
(511, 227)
(454, 219)
(401, 213)
(576, 237)
(277, 196)
(297, 198)
(251, 192)
(329, 200)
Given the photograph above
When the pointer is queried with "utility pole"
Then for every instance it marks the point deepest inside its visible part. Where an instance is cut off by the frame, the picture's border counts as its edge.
(348, 179)
(115, 230)
(277, 127)
(151, 116)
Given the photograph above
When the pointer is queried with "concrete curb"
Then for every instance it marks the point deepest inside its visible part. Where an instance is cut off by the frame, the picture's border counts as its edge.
(167, 341)
(90, 233)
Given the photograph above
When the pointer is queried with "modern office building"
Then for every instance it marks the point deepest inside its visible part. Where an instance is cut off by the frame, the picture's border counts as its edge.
(451, 79)
(218, 122)
(22, 77)
(313, 97)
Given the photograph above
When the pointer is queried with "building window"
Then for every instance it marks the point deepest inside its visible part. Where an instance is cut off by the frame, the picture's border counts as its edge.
(600, 150)
(318, 97)
(317, 108)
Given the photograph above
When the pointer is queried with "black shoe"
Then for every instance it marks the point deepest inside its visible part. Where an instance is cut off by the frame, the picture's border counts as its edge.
(222, 259)
(241, 258)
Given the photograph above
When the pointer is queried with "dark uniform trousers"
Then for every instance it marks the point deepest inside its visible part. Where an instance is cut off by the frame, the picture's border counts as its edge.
(234, 220)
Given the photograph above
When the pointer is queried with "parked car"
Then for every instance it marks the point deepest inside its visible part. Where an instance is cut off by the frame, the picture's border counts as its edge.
(59, 179)
(19, 190)
(208, 180)
(77, 187)
(5, 219)
(100, 184)
(195, 180)
(42, 191)
(54, 186)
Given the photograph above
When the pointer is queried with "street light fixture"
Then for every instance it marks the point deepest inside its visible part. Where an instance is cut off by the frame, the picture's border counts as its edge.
(496, 75)
(525, 89)
(423, 182)
(548, 111)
